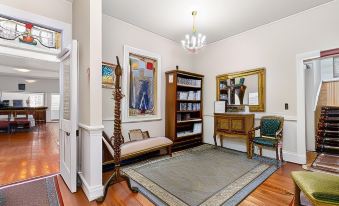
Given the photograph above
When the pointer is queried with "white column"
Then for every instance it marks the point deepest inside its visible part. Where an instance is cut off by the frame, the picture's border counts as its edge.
(87, 29)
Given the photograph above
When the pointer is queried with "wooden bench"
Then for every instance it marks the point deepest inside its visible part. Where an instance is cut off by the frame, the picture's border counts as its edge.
(135, 148)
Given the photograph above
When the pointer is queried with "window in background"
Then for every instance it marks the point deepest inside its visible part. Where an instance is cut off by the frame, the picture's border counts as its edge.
(28, 99)
(55, 105)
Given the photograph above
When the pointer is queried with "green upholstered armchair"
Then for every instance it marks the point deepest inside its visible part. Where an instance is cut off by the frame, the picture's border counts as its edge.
(319, 188)
(271, 133)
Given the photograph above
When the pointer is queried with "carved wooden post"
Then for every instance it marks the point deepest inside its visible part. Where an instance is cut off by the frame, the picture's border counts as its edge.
(117, 136)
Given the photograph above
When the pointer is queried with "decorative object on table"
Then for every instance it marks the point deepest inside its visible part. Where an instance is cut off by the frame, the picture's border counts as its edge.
(107, 71)
(184, 108)
(221, 176)
(233, 125)
(219, 106)
(242, 88)
(117, 136)
(29, 34)
(194, 42)
(142, 85)
(28, 102)
(42, 192)
(271, 134)
(319, 188)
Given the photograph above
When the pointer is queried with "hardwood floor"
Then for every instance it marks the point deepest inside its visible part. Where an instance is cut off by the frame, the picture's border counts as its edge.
(26, 155)
(278, 189)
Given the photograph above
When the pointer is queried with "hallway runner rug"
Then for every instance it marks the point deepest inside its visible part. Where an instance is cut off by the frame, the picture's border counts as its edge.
(43, 192)
(203, 175)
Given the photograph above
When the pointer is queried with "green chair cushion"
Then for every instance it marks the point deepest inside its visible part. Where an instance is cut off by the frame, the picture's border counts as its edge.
(265, 141)
(269, 127)
(320, 186)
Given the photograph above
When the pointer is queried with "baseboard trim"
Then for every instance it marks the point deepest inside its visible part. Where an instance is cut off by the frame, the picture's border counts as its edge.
(294, 157)
(91, 192)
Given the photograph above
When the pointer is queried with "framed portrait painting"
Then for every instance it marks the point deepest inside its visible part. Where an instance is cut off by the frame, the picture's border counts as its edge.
(141, 85)
(107, 73)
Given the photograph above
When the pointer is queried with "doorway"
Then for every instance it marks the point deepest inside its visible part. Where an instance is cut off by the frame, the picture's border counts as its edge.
(29, 119)
(322, 113)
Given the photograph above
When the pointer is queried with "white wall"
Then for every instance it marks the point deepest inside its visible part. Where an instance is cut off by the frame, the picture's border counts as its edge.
(55, 9)
(275, 47)
(46, 86)
(116, 34)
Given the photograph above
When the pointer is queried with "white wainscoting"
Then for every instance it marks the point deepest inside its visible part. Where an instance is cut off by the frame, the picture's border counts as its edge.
(90, 160)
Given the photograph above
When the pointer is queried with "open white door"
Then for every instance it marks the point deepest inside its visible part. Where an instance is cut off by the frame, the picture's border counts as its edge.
(69, 115)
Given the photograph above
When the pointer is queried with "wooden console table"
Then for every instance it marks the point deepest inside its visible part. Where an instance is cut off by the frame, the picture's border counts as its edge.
(235, 125)
(39, 113)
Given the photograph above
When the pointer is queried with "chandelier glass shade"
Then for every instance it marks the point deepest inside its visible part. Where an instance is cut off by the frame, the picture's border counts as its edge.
(194, 42)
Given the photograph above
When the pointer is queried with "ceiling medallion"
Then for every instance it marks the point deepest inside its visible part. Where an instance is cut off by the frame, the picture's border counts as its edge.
(194, 42)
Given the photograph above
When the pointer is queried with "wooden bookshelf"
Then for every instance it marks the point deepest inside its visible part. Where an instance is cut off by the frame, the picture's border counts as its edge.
(184, 108)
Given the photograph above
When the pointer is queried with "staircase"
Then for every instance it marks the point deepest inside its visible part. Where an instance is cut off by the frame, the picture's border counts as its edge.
(327, 139)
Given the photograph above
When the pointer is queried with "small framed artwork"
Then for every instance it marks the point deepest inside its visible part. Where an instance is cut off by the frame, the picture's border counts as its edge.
(141, 85)
(107, 71)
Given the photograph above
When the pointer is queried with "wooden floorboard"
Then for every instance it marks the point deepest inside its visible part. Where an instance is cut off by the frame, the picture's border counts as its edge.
(29, 154)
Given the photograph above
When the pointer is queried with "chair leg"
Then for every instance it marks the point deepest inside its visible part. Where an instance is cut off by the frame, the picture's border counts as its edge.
(250, 147)
(281, 155)
(169, 150)
(276, 153)
(296, 195)
(260, 150)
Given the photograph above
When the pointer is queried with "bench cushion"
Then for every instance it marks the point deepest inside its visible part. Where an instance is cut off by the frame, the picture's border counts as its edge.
(319, 186)
(134, 148)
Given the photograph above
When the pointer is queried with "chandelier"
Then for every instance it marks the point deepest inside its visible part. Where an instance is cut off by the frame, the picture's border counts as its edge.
(195, 41)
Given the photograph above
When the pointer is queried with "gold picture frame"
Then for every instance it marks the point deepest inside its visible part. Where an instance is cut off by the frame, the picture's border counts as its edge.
(107, 75)
(261, 72)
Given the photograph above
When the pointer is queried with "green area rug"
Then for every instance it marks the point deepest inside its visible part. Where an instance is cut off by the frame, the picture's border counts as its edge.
(203, 175)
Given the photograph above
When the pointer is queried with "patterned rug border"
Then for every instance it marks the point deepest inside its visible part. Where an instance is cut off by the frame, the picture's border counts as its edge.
(52, 189)
(232, 194)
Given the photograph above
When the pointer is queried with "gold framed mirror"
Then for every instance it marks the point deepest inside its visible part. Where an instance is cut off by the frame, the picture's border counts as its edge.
(243, 88)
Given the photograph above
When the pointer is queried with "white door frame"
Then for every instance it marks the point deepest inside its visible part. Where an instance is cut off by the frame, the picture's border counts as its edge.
(301, 108)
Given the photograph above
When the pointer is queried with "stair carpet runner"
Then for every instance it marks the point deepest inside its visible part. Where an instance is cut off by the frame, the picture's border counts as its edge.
(327, 141)
(328, 131)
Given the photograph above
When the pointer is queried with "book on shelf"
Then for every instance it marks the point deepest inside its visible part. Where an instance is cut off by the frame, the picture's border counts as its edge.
(189, 95)
(189, 106)
(189, 82)
(197, 129)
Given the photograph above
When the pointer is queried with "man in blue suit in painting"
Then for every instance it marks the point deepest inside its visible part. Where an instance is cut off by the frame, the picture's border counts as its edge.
(143, 97)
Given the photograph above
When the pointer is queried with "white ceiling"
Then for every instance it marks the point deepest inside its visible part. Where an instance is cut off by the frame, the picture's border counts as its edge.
(38, 69)
(217, 19)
